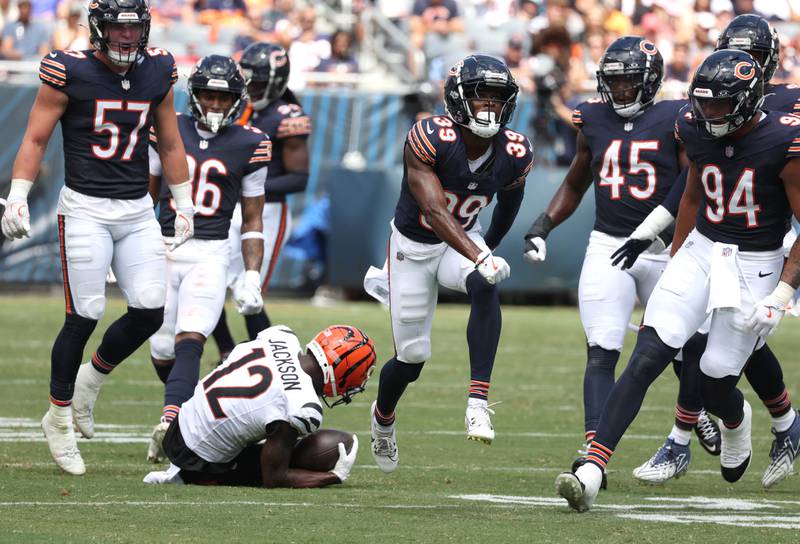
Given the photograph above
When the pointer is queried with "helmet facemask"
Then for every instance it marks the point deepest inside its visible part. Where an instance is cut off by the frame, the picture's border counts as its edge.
(624, 90)
(121, 53)
(721, 116)
(214, 121)
(495, 106)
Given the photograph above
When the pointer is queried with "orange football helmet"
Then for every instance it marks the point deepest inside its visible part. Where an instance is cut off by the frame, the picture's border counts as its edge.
(347, 358)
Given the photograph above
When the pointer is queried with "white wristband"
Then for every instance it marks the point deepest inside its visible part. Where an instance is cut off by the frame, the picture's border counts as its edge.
(252, 277)
(19, 189)
(653, 224)
(182, 193)
(252, 234)
(783, 293)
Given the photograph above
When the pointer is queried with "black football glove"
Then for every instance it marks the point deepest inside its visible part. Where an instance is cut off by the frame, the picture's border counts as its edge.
(629, 252)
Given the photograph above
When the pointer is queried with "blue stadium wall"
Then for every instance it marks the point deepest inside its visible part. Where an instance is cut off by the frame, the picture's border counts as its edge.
(361, 203)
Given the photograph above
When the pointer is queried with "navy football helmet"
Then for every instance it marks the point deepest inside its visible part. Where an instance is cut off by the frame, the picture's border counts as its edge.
(124, 12)
(726, 92)
(485, 78)
(630, 75)
(266, 72)
(220, 74)
(753, 34)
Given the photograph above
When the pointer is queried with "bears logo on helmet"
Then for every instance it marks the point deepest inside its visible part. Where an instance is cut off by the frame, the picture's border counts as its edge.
(347, 358)
(744, 71)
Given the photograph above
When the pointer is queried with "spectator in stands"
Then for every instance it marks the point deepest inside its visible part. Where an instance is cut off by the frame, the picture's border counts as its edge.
(308, 50)
(166, 11)
(679, 68)
(437, 27)
(69, 33)
(8, 12)
(24, 39)
(45, 12)
(220, 12)
(279, 15)
(516, 61)
(341, 60)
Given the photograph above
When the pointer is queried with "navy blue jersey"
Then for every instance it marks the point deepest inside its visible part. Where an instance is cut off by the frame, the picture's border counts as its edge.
(280, 120)
(437, 142)
(745, 201)
(634, 161)
(217, 167)
(108, 117)
(782, 97)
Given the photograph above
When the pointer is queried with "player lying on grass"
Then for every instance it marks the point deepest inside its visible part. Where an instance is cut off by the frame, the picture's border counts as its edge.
(268, 389)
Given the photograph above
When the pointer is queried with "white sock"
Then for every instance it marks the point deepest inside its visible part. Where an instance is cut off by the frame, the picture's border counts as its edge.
(62, 415)
(94, 378)
(782, 423)
(680, 436)
(476, 403)
(590, 474)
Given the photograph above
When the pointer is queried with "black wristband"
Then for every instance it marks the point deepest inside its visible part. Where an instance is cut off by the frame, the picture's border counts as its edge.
(541, 227)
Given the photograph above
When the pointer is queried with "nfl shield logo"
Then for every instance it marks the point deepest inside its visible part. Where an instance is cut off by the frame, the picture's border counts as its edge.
(126, 85)
(203, 144)
(726, 252)
(628, 126)
(729, 151)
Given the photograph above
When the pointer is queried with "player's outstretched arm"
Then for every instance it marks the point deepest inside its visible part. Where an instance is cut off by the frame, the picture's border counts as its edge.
(45, 113)
(276, 455)
(295, 162)
(427, 191)
(687, 211)
(564, 202)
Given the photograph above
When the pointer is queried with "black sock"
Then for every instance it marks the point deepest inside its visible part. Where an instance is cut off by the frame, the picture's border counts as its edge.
(256, 323)
(598, 380)
(125, 335)
(765, 375)
(395, 377)
(649, 359)
(163, 368)
(222, 336)
(690, 402)
(66, 356)
(723, 399)
(185, 372)
(483, 333)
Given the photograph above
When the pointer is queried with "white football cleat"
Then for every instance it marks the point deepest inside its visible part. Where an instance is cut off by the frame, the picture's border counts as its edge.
(671, 460)
(736, 447)
(62, 444)
(785, 450)
(87, 387)
(580, 488)
(170, 476)
(479, 422)
(155, 450)
(384, 444)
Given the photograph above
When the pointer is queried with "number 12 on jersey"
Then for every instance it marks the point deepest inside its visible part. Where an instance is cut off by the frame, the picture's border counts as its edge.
(611, 173)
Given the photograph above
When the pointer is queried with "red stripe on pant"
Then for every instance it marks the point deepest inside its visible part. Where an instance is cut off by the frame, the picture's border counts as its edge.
(62, 247)
(277, 249)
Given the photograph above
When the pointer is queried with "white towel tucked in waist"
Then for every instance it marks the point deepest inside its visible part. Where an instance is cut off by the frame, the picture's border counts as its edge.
(724, 278)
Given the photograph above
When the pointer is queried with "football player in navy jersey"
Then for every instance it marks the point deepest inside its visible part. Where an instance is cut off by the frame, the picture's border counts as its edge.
(106, 100)
(754, 35)
(453, 167)
(727, 263)
(228, 164)
(626, 149)
(274, 110)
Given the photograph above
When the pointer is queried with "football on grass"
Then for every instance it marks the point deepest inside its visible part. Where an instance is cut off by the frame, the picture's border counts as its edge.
(320, 451)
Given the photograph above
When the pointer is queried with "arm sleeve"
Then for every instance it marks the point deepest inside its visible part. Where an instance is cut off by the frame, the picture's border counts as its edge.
(290, 182)
(252, 183)
(673, 198)
(508, 204)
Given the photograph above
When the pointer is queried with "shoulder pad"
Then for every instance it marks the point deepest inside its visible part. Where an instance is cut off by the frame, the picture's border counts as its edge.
(581, 113)
(166, 57)
(428, 135)
(54, 67)
(519, 147)
(262, 155)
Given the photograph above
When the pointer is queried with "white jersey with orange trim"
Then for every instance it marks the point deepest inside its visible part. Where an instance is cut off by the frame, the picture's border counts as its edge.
(260, 382)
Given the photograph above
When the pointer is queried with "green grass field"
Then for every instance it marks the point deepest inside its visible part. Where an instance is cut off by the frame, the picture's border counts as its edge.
(447, 489)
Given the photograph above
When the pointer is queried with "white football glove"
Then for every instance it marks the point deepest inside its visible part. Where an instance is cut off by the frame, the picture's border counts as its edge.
(767, 312)
(346, 460)
(247, 293)
(535, 250)
(493, 269)
(184, 213)
(16, 221)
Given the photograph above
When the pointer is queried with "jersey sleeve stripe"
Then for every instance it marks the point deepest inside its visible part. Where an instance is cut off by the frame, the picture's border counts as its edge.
(51, 80)
(256, 160)
(55, 64)
(54, 73)
(417, 148)
(425, 140)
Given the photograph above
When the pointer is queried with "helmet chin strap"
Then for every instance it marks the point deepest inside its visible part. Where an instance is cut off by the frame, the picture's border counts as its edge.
(484, 124)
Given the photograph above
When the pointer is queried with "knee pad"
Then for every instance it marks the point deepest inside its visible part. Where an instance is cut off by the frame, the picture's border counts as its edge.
(79, 327)
(151, 295)
(162, 346)
(147, 319)
(91, 307)
(415, 351)
(601, 359)
(650, 356)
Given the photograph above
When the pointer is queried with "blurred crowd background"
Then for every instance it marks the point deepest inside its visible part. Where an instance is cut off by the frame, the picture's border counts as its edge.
(407, 46)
